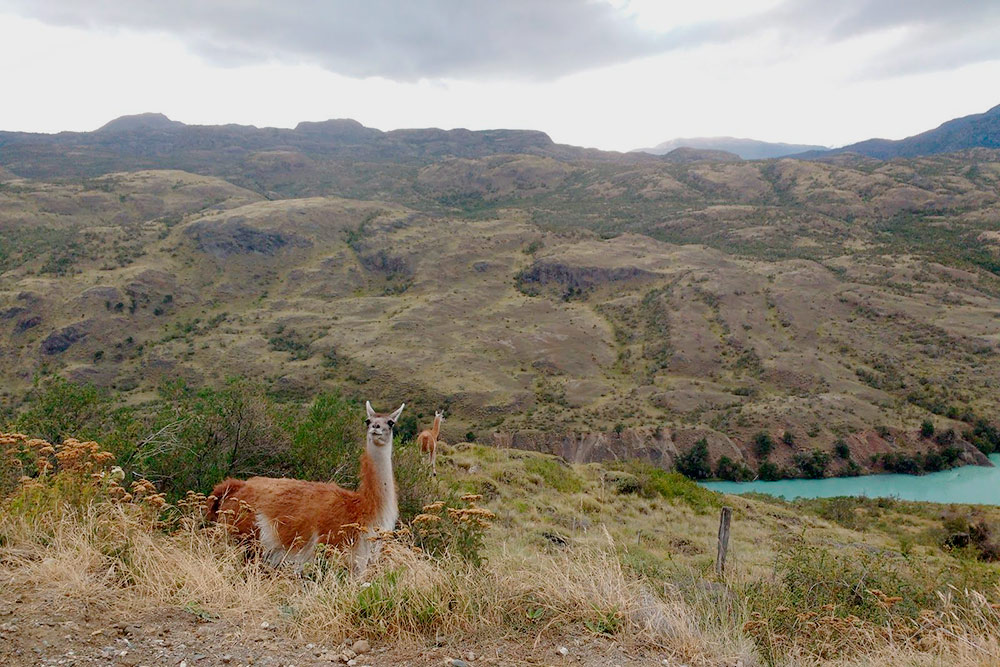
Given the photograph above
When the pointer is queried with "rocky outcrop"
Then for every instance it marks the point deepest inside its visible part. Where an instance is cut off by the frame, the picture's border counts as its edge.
(576, 278)
(655, 447)
(233, 237)
(60, 340)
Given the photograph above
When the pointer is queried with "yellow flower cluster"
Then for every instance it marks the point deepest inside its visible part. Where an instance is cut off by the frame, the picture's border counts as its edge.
(477, 515)
(85, 461)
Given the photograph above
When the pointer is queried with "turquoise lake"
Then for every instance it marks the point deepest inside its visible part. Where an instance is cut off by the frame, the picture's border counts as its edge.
(968, 484)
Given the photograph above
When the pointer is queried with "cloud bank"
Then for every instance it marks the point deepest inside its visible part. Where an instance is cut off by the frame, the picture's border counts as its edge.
(520, 39)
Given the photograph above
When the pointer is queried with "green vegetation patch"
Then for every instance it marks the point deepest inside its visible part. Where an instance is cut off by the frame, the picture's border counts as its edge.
(555, 474)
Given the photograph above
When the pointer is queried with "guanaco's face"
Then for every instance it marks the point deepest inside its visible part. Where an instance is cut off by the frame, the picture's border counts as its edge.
(380, 426)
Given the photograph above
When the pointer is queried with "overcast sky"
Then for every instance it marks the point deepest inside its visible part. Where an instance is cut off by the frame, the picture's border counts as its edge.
(614, 74)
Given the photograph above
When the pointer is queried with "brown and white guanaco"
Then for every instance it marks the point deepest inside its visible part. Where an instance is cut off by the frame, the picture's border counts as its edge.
(289, 517)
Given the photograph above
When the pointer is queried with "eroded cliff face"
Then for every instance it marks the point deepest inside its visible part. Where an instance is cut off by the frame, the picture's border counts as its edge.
(662, 446)
(657, 446)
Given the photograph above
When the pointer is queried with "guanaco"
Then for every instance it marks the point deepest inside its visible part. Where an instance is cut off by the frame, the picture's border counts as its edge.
(428, 439)
(289, 517)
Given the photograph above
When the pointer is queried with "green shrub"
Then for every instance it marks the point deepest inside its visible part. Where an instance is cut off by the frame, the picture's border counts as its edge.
(324, 444)
(658, 483)
(846, 511)
(406, 428)
(985, 436)
(902, 463)
(841, 449)
(694, 462)
(56, 409)
(732, 471)
(456, 528)
(946, 437)
(769, 472)
(763, 444)
(926, 428)
(556, 475)
(852, 469)
(623, 482)
(812, 464)
(414, 485)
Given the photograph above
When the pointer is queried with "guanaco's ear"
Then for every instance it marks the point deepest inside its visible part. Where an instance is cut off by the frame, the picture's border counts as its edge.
(395, 415)
(368, 408)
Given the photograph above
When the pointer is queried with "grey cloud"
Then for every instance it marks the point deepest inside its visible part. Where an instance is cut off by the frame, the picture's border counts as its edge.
(398, 40)
(533, 39)
(935, 34)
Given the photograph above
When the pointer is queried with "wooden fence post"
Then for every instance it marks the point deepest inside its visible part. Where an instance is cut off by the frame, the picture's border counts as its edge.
(724, 520)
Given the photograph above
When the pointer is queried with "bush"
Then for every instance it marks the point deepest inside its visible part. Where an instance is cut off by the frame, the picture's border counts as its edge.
(926, 429)
(414, 486)
(202, 437)
(459, 530)
(56, 409)
(556, 474)
(623, 482)
(841, 449)
(945, 438)
(732, 471)
(788, 438)
(901, 463)
(827, 605)
(324, 444)
(655, 482)
(813, 464)
(694, 462)
(852, 469)
(763, 444)
(933, 462)
(985, 436)
(406, 428)
(950, 455)
(769, 472)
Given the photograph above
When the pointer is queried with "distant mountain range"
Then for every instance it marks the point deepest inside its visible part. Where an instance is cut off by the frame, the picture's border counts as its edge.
(748, 149)
(151, 140)
(981, 130)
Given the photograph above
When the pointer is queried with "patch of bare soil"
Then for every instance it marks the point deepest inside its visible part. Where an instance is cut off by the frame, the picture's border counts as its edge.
(51, 631)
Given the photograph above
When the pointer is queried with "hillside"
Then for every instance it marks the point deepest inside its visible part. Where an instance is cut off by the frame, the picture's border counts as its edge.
(575, 564)
(748, 149)
(981, 130)
(589, 304)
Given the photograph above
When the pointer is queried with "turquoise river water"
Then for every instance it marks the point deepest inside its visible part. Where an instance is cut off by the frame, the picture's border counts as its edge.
(968, 484)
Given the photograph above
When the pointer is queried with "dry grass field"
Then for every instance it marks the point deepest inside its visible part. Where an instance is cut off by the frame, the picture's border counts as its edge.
(614, 564)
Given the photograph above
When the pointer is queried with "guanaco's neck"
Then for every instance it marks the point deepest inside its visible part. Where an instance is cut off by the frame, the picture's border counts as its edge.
(436, 428)
(378, 487)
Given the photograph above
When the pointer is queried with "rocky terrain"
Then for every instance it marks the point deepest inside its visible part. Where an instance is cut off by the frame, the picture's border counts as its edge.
(593, 304)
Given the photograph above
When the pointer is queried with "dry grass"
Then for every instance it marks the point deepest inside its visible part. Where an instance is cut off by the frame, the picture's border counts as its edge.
(70, 530)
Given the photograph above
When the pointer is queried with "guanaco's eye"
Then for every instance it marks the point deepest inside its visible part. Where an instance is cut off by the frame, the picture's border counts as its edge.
(391, 423)
(368, 422)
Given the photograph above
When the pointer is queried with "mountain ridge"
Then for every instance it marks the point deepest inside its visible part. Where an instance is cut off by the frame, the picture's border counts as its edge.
(747, 149)
(981, 130)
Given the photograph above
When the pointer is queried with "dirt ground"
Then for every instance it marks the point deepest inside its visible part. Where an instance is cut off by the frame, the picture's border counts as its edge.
(48, 631)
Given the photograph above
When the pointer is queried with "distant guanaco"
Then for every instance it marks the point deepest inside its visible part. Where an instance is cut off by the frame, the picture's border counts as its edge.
(289, 517)
(428, 440)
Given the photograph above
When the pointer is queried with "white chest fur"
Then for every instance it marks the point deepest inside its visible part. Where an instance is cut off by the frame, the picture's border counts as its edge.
(388, 512)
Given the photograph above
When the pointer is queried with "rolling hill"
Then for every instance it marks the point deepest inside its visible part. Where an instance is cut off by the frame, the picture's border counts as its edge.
(591, 304)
